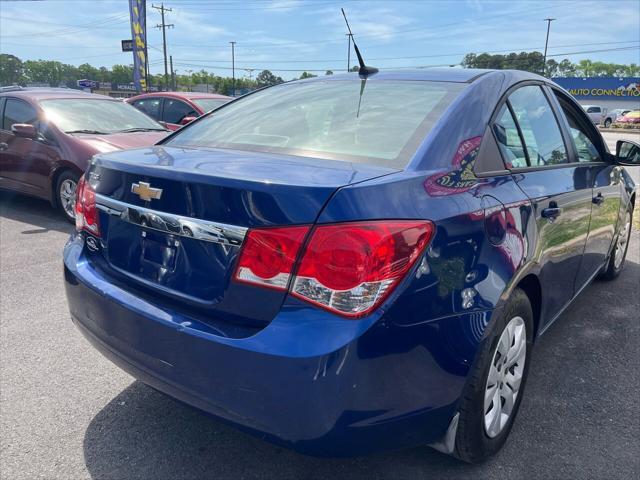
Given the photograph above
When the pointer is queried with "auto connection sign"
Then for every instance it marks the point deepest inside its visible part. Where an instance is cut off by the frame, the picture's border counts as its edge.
(604, 88)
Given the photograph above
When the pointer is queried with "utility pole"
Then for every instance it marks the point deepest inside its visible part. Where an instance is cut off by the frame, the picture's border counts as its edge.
(164, 27)
(349, 35)
(233, 66)
(544, 62)
(173, 75)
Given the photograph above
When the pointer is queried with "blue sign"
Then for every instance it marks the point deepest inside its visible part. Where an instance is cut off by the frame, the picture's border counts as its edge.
(603, 88)
(84, 83)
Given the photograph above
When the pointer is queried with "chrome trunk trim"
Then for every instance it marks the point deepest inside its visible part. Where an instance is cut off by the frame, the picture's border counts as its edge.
(173, 224)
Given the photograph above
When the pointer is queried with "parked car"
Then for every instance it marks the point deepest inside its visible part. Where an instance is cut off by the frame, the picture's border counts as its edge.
(613, 115)
(630, 117)
(48, 135)
(341, 265)
(595, 113)
(175, 109)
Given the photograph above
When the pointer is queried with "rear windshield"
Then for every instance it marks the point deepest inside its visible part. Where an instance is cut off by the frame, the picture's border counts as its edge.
(377, 122)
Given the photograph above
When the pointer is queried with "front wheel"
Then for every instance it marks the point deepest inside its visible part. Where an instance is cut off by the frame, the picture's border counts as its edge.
(494, 391)
(619, 254)
(66, 195)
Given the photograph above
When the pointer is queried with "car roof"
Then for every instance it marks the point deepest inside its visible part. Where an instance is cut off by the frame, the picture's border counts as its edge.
(447, 74)
(43, 93)
(185, 95)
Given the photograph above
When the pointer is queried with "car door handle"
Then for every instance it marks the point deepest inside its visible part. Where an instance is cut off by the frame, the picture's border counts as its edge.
(552, 212)
(598, 199)
(4, 146)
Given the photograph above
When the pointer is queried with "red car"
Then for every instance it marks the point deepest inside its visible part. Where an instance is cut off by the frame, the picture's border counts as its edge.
(175, 109)
(630, 117)
(48, 136)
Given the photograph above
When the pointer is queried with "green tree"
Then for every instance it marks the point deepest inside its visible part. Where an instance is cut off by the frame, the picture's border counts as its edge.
(122, 73)
(266, 78)
(307, 75)
(329, 72)
(11, 70)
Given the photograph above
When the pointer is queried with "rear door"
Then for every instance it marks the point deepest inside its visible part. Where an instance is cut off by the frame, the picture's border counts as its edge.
(607, 184)
(536, 150)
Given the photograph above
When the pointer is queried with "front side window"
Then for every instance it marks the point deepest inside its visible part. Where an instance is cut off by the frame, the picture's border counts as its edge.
(540, 130)
(175, 111)
(506, 132)
(381, 122)
(17, 111)
(593, 110)
(587, 151)
(80, 115)
(150, 106)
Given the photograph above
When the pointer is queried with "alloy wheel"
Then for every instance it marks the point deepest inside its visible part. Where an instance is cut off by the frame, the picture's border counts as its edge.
(68, 197)
(505, 376)
(621, 243)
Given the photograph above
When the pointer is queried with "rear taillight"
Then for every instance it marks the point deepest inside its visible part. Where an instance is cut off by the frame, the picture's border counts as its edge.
(268, 256)
(347, 268)
(86, 212)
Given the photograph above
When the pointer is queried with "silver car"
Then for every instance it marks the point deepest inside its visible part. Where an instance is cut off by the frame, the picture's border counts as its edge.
(595, 113)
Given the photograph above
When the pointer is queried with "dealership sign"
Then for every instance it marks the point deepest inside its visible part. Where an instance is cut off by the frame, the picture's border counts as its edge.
(601, 87)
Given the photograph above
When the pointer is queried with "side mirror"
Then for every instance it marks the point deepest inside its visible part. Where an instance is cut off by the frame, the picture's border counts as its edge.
(186, 120)
(24, 130)
(628, 153)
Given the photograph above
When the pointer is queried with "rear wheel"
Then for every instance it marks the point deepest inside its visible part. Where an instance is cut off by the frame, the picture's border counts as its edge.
(494, 392)
(66, 194)
(607, 123)
(619, 254)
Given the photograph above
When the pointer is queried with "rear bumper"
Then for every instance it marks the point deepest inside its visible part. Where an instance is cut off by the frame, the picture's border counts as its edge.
(317, 384)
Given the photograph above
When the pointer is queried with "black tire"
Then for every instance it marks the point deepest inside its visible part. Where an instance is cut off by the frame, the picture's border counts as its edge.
(65, 178)
(607, 123)
(473, 444)
(613, 268)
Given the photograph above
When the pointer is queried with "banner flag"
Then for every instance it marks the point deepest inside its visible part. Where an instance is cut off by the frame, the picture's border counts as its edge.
(137, 10)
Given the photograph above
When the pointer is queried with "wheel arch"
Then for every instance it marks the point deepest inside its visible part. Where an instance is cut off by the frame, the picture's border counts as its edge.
(55, 175)
(531, 286)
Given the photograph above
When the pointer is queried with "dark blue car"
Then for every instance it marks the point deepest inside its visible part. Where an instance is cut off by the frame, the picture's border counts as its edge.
(345, 264)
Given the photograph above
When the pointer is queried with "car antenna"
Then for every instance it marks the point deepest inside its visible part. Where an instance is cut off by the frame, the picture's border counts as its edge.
(364, 70)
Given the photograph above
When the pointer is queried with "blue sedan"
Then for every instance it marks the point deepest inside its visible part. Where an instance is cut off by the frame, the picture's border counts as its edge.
(349, 264)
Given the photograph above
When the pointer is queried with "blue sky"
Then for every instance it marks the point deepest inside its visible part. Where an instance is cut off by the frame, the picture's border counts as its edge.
(288, 35)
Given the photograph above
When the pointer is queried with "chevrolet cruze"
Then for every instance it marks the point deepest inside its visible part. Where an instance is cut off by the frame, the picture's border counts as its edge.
(354, 263)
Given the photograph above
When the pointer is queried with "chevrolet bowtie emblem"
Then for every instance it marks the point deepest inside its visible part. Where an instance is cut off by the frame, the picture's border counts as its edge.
(146, 192)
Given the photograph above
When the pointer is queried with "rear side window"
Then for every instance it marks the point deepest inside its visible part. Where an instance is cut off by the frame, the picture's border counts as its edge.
(175, 111)
(506, 132)
(540, 131)
(17, 111)
(150, 106)
(381, 122)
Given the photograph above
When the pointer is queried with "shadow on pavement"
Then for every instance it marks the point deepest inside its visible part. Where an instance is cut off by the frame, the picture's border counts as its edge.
(144, 434)
(33, 211)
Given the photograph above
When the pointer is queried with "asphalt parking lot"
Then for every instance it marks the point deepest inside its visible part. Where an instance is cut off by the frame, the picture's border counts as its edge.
(68, 413)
